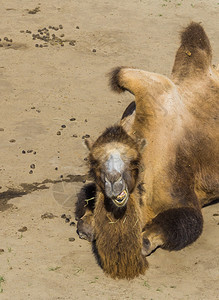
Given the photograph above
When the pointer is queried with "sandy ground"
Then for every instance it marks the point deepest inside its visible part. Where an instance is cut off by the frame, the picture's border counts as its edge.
(44, 88)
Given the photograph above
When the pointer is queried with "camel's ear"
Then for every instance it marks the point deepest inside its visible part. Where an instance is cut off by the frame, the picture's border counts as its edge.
(88, 143)
(142, 143)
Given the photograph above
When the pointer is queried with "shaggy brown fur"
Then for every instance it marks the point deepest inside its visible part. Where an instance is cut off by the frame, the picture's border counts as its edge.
(169, 179)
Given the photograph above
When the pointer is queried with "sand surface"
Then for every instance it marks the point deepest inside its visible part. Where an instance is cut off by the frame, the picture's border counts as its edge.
(51, 97)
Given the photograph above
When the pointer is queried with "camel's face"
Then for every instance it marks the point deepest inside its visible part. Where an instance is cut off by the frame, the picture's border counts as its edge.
(115, 168)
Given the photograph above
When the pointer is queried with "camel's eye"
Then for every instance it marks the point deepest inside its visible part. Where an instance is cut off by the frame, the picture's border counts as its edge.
(134, 163)
(93, 162)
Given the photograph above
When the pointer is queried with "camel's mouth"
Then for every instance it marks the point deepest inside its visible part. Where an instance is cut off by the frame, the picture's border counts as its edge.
(121, 199)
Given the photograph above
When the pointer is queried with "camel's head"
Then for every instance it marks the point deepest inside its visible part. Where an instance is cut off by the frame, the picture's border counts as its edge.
(114, 164)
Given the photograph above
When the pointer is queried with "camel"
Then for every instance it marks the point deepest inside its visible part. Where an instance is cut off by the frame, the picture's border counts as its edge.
(156, 169)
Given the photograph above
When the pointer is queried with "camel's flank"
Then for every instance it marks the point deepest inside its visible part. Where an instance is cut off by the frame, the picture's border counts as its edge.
(149, 194)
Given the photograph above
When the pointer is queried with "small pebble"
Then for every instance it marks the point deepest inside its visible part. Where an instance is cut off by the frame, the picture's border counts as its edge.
(1, 129)
(56, 168)
(12, 141)
(71, 239)
(72, 224)
(58, 133)
(67, 220)
(34, 152)
(36, 45)
(31, 172)
(75, 135)
(48, 216)
(85, 136)
(60, 26)
(61, 176)
(29, 151)
(23, 229)
(85, 120)
(23, 151)
(33, 107)
(63, 126)
(77, 27)
(21, 31)
(84, 180)
(94, 50)
(72, 43)
(85, 159)
(63, 216)
(72, 119)
(62, 35)
(32, 166)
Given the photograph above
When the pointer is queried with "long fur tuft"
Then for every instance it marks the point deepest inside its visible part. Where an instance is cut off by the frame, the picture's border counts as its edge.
(115, 80)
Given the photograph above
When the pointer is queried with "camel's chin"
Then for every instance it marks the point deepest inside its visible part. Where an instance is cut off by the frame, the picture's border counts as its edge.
(121, 199)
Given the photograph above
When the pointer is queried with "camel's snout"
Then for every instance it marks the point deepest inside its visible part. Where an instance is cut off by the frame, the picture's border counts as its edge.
(114, 185)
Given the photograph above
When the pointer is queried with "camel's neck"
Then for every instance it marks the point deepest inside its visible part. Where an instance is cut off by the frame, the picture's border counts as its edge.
(119, 241)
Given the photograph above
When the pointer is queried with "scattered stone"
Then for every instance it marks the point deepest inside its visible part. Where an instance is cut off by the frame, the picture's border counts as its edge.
(34, 152)
(85, 159)
(48, 216)
(34, 11)
(23, 152)
(31, 172)
(94, 50)
(58, 133)
(56, 168)
(71, 239)
(60, 26)
(33, 107)
(77, 27)
(1, 129)
(75, 135)
(72, 224)
(86, 136)
(72, 43)
(216, 215)
(67, 220)
(83, 181)
(72, 119)
(12, 141)
(63, 126)
(36, 45)
(61, 176)
(62, 35)
(63, 216)
(32, 166)
(85, 120)
(21, 31)
(29, 151)
(23, 229)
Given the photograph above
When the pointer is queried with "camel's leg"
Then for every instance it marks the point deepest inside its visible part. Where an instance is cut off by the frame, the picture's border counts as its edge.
(172, 229)
(84, 211)
(85, 227)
